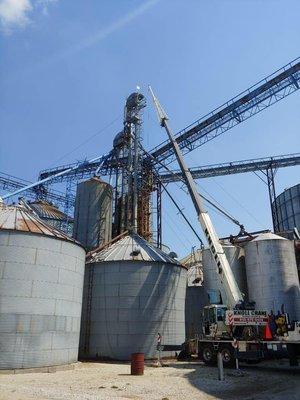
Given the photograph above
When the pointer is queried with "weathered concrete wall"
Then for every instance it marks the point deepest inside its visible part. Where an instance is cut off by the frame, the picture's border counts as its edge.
(131, 303)
(41, 281)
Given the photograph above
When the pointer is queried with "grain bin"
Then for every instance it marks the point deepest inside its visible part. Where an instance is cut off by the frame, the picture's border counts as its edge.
(288, 209)
(132, 291)
(272, 274)
(196, 297)
(236, 258)
(41, 281)
(93, 213)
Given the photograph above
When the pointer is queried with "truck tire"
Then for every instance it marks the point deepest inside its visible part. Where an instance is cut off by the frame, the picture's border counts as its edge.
(228, 357)
(207, 354)
(253, 362)
(293, 351)
(183, 355)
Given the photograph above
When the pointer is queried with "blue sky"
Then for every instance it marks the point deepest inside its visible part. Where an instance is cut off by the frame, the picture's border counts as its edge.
(67, 67)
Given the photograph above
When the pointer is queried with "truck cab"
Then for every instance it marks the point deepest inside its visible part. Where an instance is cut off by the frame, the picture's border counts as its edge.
(214, 321)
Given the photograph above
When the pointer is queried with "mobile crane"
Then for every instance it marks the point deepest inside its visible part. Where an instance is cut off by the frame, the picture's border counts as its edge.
(236, 327)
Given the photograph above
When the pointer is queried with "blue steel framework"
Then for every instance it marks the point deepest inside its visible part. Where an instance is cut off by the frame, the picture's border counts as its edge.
(270, 90)
(235, 167)
(268, 166)
(10, 183)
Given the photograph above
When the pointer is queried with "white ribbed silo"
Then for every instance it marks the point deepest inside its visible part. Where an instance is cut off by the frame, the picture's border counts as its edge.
(93, 213)
(272, 274)
(132, 292)
(41, 281)
(236, 258)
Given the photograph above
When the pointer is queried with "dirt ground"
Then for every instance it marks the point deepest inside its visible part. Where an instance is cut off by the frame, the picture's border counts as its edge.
(184, 381)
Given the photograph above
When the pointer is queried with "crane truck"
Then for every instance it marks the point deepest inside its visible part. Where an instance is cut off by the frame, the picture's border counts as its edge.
(235, 329)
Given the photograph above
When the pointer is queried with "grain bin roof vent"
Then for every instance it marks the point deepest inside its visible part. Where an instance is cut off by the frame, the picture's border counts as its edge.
(19, 218)
(128, 248)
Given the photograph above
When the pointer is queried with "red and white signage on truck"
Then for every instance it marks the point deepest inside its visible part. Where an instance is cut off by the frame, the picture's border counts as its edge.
(246, 317)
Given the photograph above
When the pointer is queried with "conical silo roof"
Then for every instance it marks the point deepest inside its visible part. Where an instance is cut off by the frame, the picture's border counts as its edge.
(48, 211)
(267, 236)
(130, 247)
(19, 218)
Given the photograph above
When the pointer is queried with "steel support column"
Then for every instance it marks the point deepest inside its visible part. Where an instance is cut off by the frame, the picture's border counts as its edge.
(270, 174)
(158, 214)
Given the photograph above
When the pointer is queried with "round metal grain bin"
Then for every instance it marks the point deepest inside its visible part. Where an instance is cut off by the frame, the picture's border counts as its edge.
(272, 274)
(288, 209)
(236, 258)
(41, 281)
(132, 292)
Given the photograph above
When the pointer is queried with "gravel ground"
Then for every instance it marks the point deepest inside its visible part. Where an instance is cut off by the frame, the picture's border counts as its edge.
(178, 381)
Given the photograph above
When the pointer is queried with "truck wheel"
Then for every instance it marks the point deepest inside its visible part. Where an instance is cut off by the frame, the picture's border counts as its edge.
(228, 356)
(183, 355)
(208, 355)
(253, 362)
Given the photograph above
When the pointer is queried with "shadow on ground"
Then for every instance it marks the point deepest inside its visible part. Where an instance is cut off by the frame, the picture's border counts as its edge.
(265, 381)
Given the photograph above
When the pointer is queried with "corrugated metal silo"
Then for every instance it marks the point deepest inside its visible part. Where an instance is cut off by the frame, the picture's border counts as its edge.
(272, 274)
(288, 207)
(93, 213)
(236, 259)
(132, 291)
(196, 297)
(41, 281)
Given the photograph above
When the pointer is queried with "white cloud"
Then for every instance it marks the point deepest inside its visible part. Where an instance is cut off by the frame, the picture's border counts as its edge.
(44, 4)
(104, 32)
(14, 13)
(18, 13)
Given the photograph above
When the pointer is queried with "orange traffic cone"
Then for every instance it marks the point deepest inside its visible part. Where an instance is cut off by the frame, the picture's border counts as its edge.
(268, 333)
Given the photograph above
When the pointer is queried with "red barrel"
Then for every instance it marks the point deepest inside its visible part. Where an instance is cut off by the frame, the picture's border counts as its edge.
(137, 363)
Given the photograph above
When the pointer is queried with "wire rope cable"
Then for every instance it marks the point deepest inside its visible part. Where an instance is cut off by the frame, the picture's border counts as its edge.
(88, 139)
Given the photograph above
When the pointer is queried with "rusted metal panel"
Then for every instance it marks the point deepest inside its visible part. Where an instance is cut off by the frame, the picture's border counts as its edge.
(19, 218)
(48, 211)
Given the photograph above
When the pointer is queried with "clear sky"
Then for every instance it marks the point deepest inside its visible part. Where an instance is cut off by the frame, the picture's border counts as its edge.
(67, 67)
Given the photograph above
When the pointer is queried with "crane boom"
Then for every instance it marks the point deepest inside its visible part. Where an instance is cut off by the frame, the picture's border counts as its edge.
(234, 295)
(260, 96)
